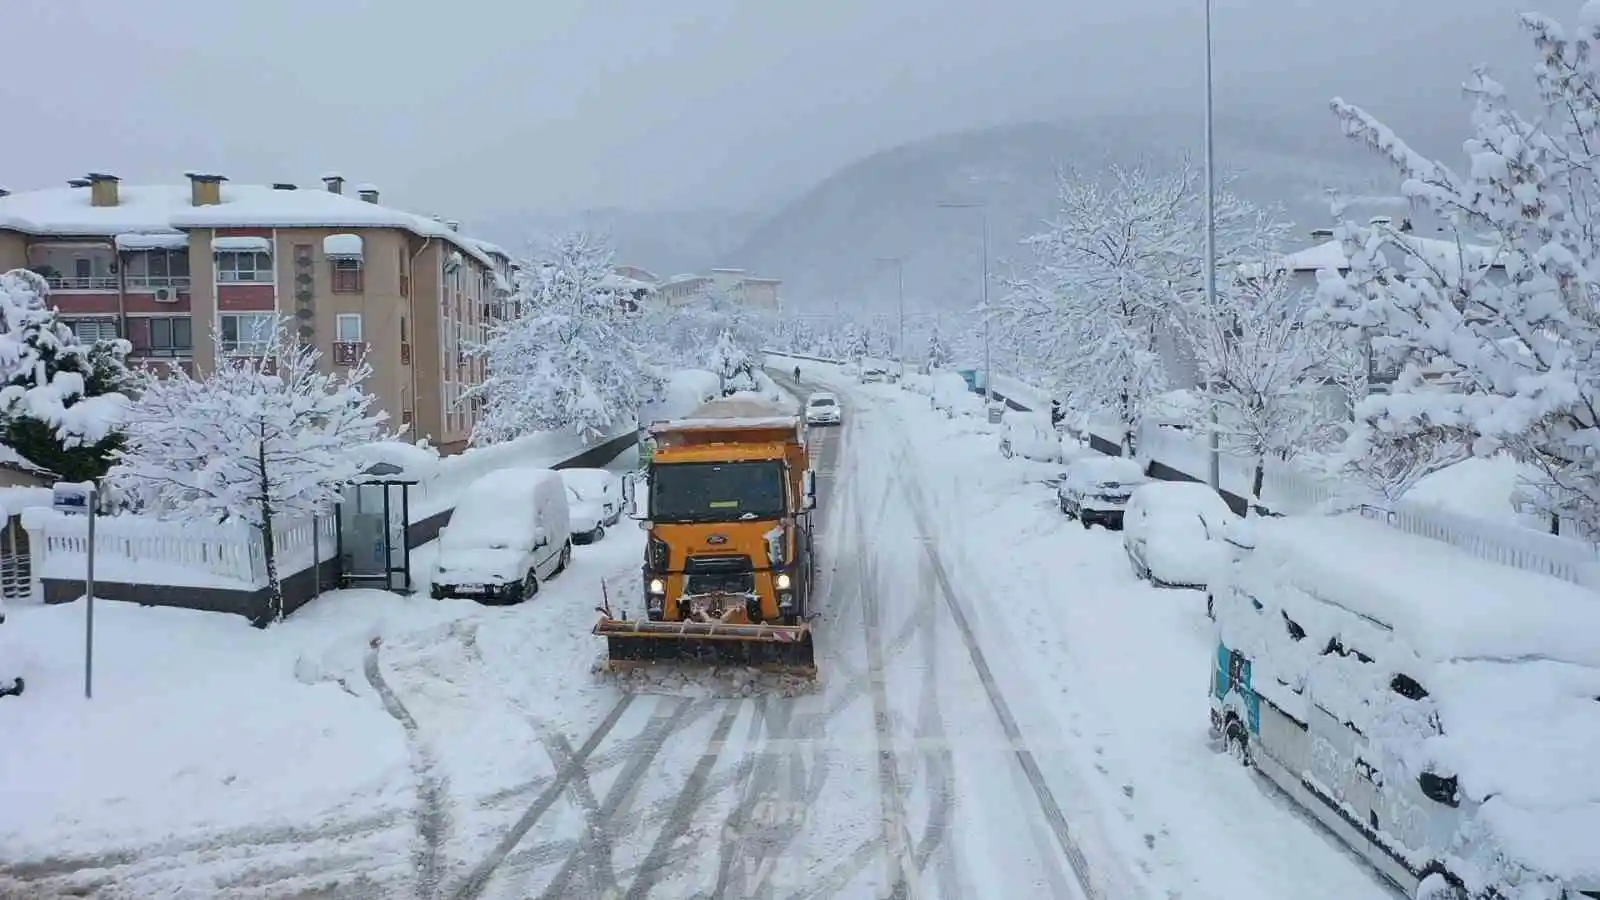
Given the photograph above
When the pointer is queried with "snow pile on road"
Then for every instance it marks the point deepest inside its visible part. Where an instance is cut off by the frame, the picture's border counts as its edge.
(1506, 661)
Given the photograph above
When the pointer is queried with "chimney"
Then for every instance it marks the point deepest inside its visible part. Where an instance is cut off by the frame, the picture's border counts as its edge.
(205, 190)
(102, 189)
(283, 186)
(77, 182)
(368, 193)
(453, 225)
(1322, 234)
(334, 182)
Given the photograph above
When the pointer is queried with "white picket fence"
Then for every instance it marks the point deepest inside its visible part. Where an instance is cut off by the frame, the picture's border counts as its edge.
(141, 550)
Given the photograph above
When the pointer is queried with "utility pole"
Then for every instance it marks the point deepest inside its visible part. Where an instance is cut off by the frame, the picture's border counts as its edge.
(988, 372)
(1215, 474)
(900, 293)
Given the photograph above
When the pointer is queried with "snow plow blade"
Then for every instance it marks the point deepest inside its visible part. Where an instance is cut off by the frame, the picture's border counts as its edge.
(775, 648)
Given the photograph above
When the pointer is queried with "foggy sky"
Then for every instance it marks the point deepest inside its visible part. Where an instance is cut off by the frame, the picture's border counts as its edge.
(474, 108)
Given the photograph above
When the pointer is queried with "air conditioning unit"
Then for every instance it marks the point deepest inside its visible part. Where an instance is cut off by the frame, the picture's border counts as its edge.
(166, 295)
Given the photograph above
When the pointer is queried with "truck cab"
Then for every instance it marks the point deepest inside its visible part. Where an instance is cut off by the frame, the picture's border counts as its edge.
(727, 499)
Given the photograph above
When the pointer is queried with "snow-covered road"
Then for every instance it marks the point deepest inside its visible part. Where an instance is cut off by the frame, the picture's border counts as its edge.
(1002, 711)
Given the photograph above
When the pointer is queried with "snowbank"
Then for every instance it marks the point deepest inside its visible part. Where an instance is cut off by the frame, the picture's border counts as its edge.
(1481, 488)
(684, 390)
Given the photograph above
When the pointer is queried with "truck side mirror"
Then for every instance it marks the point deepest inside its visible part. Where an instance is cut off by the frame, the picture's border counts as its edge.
(635, 496)
(808, 489)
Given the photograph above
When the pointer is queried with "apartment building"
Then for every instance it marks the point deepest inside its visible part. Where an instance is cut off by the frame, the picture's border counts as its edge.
(167, 266)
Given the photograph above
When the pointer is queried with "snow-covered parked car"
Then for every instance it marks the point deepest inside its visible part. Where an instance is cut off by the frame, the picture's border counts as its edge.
(822, 408)
(601, 486)
(1174, 533)
(872, 372)
(1029, 435)
(1438, 712)
(952, 396)
(510, 531)
(1096, 489)
(587, 518)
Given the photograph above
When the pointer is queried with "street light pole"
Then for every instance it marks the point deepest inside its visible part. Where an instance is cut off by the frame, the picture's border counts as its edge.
(1215, 472)
(900, 293)
(983, 211)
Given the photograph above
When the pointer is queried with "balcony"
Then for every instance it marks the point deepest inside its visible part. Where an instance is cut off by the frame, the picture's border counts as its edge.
(348, 353)
(82, 283)
(156, 282)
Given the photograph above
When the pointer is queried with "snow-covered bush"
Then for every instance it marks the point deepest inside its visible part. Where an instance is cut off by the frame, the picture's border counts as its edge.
(689, 331)
(1109, 281)
(572, 361)
(1500, 346)
(63, 401)
(260, 440)
(939, 354)
(735, 365)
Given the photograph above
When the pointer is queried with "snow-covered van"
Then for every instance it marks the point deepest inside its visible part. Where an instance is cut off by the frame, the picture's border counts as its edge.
(510, 531)
(1438, 712)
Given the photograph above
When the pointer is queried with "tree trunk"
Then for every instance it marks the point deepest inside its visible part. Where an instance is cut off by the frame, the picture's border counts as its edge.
(1256, 480)
(269, 549)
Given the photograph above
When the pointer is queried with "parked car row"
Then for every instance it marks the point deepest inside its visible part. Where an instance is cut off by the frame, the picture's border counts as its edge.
(513, 529)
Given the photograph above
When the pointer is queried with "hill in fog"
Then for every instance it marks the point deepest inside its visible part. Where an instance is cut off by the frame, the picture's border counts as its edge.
(823, 243)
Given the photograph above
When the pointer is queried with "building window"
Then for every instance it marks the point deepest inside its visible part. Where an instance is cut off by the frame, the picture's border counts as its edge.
(346, 275)
(348, 328)
(158, 268)
(171, 336)
(247, 334)
(91, 330)
(244, 266)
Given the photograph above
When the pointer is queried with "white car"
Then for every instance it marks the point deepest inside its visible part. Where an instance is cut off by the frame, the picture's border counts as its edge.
(587, 516)
(1173, 532)
(601, 486)
(1029, 435)
(951, 395)
(509, 532)
(873, 374)
(823, 409)
(1097, 488)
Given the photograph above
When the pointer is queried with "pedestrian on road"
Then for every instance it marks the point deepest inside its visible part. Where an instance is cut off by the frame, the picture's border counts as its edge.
(796, 373)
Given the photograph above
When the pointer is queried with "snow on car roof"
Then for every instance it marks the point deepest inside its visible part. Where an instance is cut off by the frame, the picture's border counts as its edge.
(1181, 495)
(587, 480)
(1448, 604)
(166, 208)
(1106, 467)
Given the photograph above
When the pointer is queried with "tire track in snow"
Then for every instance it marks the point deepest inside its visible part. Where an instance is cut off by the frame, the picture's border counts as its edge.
(1064, 837)
(431, 817)
(475, 882)
(683, 809)
(598, 847)
(940, 763)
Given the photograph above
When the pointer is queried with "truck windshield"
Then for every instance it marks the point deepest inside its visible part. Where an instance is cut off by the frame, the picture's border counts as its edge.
(716, 492)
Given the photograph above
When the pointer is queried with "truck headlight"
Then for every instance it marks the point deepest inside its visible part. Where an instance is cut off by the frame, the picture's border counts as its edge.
(783, 581)
(657, 586)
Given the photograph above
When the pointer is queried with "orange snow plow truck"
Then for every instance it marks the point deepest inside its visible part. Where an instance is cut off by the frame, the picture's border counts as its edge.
(727, 500)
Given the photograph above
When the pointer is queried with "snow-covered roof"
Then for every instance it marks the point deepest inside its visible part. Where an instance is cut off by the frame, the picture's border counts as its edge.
(1331, 255)
(165, 208)
(624, 283)
(342, 244)
(10, 458)
(242, 244)
(168, 240)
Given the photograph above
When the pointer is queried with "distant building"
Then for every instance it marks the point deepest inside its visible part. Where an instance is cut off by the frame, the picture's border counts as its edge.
(757, 293)
(164, 265)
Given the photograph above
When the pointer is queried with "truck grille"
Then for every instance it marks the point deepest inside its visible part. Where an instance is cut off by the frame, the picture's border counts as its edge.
(727, 574)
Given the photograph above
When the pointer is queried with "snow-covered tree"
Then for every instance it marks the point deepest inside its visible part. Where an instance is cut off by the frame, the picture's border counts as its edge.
(734, 365)
(260, 440)
(1261, 361)
(63, 401)
(1497, 330)
(572, 360)
(1109, 280)
(690, 330)
(939, 353)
